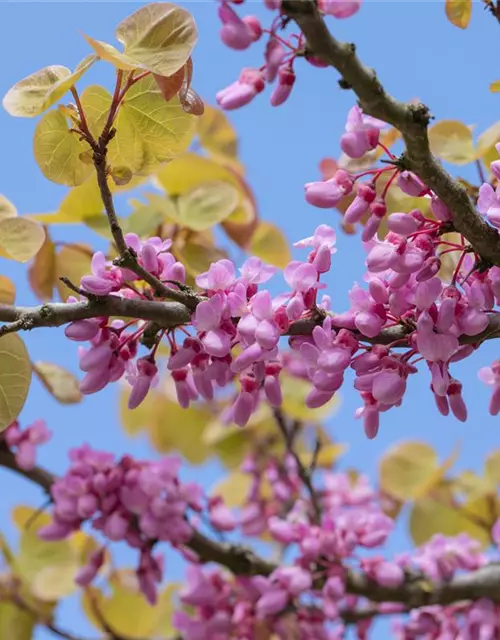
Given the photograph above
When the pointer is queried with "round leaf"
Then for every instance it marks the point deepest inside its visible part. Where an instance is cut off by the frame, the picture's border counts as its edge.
(73, 262)
(406, 468)
(207, 205)
(269, 244)
(57, 151)
(21, 238)
(160, 36)
(7, 209)
(39, 91)
(7, 290)
(216, 133)
(109, 53)
(42, 271)
(15, 378)
(451, 140)
(60, 383)
(234, 488)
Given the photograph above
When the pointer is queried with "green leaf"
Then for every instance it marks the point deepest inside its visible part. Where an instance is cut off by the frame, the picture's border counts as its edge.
(485, 147)
(495, 86)
(451, 140)
(15, 378)
(57, 151)
(234, 488)
(15, 623)
(72, 262)
(492, 467)
(459, 12)
(109, 53)
(295, 391)
(216, 134)
(207, 205)
(160, 36)
(36, 93)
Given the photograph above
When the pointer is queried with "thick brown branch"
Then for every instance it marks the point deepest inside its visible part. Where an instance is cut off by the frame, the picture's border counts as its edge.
(165, 314)
(411, 120)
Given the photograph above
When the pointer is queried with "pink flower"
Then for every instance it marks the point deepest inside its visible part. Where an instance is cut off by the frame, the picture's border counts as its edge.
(219, 277)
(362, 133)
(489, 203)
(142, 376)
(250, 83)
(282, 91)
(339, 8)
(327, 194)
(275, 52)
(105, 277)
(238, 33)
(491, 376)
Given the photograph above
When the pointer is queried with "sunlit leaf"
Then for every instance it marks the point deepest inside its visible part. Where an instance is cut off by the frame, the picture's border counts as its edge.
(72, 262)
(42, 271)
(485, 147)
(216, 134)
(406, 468)
(197, 253)
(20, 238)
(327, 456)
(7, 209)
(145, 218)
(439, 514)
(15, 623)
(57, 151)
(36, 93)
(160, 36)
(229, 443)
(449, 261)
(472, 485)
(81, 202)
(269, 244)
(125, 609)
(169, 86)
(60, 383)
(164, 129)
(451, 140)
(234, 488)
(121, 175)
(495, 86)
(207, 205)
(190, 170)
(7, 290)
(459, 12)
(15, 378)
(139, 419)
(492, 467)
(109, 53)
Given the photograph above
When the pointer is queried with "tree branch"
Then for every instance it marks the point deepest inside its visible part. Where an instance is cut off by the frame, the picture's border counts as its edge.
(414, 593)
(165, 314)
(411, 120)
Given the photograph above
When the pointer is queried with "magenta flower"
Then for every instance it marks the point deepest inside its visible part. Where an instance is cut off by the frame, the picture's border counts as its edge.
(238, 33)
(250, 83)
(491, 376)
(105, 277)
(489, 203)
(207, 320)
(219, 277)
(275, 52)
(362, 133)
(339, 8)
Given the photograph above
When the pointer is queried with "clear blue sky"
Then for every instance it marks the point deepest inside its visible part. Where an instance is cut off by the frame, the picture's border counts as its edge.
(416, 52)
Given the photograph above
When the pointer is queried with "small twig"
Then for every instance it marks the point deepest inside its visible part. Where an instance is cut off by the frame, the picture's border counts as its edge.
(304, 473)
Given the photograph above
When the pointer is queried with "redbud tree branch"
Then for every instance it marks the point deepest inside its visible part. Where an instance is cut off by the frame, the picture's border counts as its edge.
(414, 593)
(411, 120)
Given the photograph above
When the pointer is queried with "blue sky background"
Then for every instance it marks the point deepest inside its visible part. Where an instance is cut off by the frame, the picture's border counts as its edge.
(416, 52)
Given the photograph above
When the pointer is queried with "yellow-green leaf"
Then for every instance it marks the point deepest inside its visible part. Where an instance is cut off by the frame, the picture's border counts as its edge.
(15, 623)
(207, 205)
(121, 175)
(269, 244)
(406, 468)
(20, 238)
(492, 467)
(450, 260)
(164, 129)
(437, 514)
(36, 93)
(216, 134)
(57, 151)
(81, 202)
(109, 53)
(197, 253)
(459, 12)
(60, 383)
(15, 378)
(495, 86)
(451, 140)
(7, 209)
(485, 147)
(125, 609)
(327, 456)
(234, 488)
(72, 262)
(7, 290)
(42, 271)
(160, 36)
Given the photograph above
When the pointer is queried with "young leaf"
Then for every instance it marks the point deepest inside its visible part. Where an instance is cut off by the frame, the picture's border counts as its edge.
(35, 94)
(57, 151)
(109, 53)
(20, 238)
(269, 244)
(459, 12)
(205, 206)
(406, 468)
(121, 175)
(159, 36)
(7, 209)
(234, 488)
(72, 262)
(7, 290)
(495, 86)
(170, 86)
(451, 140)
(59, 383)
(15, 378)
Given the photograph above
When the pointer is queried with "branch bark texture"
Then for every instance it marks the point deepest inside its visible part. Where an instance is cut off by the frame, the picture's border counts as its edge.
(411, 120)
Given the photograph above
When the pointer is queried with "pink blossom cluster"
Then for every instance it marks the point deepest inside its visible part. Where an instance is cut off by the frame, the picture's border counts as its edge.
(139, 502)
(24, 442)
(280, 53)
